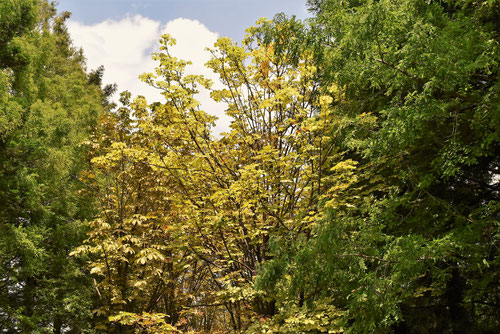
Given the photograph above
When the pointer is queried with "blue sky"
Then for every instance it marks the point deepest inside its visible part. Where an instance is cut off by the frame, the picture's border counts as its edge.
(121, 34)
(226, 17)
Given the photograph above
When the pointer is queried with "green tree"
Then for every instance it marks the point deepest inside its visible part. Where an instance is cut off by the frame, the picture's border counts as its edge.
(413, 246)
(48, 106)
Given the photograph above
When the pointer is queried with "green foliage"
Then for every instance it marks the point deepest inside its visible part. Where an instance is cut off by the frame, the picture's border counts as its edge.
(17, 18)
(47, 107)
(415, 248)
(357, 189)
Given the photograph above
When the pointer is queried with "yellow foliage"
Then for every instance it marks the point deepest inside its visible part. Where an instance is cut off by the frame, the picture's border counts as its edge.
(188, 214)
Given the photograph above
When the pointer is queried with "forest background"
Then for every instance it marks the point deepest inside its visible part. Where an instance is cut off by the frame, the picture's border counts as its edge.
(356, 189)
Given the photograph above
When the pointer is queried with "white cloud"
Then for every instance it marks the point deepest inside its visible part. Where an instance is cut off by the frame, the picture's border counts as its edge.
(124, 47)
(192, 38)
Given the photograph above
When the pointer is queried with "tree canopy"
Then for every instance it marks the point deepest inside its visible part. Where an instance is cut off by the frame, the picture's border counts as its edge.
(356, 190)
(47, 108)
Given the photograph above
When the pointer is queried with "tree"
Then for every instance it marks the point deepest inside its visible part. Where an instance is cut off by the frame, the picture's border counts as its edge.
(415, 246)
(218, 201)
(47, 107)
(132, 260)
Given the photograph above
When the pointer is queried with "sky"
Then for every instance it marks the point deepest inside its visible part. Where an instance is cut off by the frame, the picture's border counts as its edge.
(122, 34)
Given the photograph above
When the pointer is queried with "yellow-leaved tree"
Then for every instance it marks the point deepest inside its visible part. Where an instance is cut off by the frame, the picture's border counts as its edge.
(187, 217)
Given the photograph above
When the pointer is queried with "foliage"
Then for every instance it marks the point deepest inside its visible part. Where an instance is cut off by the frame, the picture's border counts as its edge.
(47, 107)
(145, 323)
(416, 249)
(135, 267)
(356, 190)
(219, 199)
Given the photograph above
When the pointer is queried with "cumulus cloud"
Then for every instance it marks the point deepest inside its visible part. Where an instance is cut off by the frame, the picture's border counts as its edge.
(124, 47)
(192, 39)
